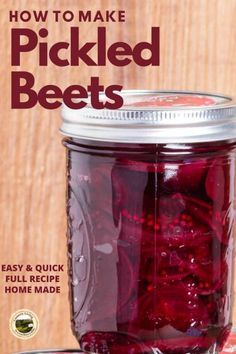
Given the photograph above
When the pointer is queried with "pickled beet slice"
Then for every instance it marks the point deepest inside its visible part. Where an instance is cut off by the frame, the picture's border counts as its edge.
(148, 315)
(180, 176)
(131, 232)
(159, 307)
(127, 277)
(168, 264)
(215, 184)
(211, 277)
(141, 166)
(179, 234)
(103, 225)
(192, 311)
(112, 343)
(217, 221)
(187, 225)
(184, 344)
(127, 192)
(171, 206)
(163, 265)
(184, 177)
(172, 268)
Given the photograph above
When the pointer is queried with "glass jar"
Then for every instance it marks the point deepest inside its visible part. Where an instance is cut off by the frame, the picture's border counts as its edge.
(150, 204)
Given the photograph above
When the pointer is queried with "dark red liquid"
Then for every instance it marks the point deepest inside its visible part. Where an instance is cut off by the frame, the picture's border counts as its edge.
(150, 242)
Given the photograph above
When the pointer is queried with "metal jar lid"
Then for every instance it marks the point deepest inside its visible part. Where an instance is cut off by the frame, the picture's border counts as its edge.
(156, 117)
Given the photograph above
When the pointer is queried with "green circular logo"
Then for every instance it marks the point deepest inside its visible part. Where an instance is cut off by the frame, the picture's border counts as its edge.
(24, 324)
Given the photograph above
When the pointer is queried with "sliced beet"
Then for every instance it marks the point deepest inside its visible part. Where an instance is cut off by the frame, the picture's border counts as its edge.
(142, 166)
(219, 222)
(184, 344)
(184, 177)
(163, 265)
(127, 192)
(215, 184)
(127, 278)
(184, 234)
(211, 277)
(161, 306)
(172, 206)
(112, 343)
(148, 316)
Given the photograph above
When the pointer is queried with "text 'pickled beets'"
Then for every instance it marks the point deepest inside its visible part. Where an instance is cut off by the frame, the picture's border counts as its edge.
(75, 53)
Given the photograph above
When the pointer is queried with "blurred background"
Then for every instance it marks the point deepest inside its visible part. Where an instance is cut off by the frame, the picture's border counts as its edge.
(198, 52)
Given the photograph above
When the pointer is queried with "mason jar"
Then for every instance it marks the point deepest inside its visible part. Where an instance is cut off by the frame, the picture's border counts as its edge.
(150, 206)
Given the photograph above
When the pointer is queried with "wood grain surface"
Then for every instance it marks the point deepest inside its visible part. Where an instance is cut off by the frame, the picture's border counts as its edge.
(198, 52)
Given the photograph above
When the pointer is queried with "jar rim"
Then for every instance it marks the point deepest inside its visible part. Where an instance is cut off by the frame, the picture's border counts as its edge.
(162, 117)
